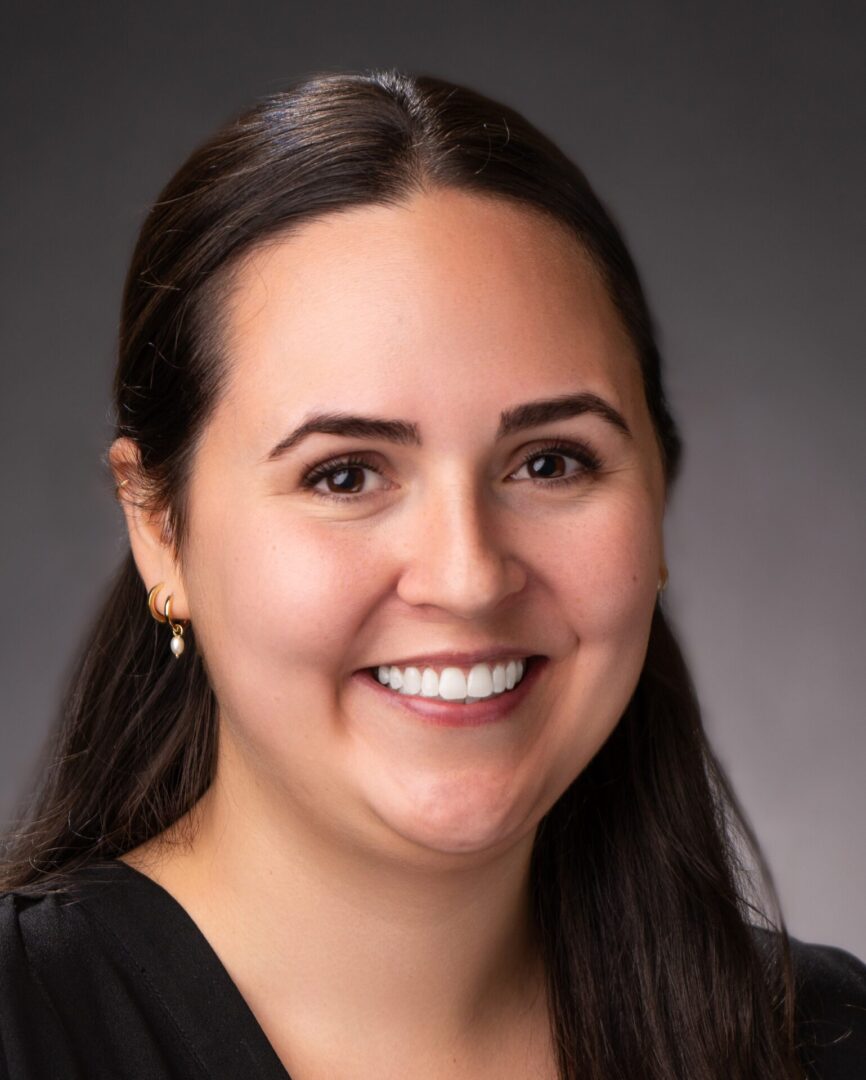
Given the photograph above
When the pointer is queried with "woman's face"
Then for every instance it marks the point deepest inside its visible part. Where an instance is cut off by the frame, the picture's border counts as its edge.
(444, 313)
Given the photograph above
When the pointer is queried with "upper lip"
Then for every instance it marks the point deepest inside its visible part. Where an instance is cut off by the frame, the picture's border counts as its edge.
(491, 654)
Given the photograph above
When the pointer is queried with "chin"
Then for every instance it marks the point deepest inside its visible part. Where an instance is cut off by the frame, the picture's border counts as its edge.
(454, 817)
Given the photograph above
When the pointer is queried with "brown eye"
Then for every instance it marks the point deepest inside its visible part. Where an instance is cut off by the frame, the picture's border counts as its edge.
(338, 478)
(540, 473)
(345, 473)
(551, 471)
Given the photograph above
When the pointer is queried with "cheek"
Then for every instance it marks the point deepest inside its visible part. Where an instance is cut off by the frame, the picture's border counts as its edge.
(608, 567)
(274, 609)
(607, 587)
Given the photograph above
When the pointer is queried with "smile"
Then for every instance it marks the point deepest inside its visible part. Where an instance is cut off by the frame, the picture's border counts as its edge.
(454, 683)
(450, 704)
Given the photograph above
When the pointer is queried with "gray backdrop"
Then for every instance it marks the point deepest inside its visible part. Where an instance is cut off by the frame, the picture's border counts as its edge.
(729, 144)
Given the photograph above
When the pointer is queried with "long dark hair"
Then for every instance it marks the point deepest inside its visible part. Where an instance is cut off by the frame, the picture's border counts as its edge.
(658, 965)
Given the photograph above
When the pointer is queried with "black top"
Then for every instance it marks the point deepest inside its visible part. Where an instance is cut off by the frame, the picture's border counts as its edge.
(105, 983)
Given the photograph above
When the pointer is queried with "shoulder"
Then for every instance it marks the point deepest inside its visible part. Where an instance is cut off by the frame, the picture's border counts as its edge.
(56, 934)
(831, 1007)
(49, 922)
(103, 969)
(41, 949)
(36, 928)
(76, 997)
(830, 1004)
(829, 970)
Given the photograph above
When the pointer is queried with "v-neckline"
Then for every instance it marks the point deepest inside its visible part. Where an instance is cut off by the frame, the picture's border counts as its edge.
(181, 968)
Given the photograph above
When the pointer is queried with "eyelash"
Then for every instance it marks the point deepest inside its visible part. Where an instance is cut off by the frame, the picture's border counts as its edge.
(580, 452)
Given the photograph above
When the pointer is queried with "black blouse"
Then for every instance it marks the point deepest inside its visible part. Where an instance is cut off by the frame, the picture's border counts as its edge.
(105, 983)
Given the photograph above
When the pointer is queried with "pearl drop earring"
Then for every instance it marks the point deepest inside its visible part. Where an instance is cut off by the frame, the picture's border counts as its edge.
(177, 644)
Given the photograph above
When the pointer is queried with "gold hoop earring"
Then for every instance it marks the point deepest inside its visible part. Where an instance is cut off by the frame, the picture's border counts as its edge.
(177, 643)
(663, 580)
(151, 603)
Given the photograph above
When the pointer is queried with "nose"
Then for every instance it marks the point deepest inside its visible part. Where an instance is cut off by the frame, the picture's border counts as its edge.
(458, 557)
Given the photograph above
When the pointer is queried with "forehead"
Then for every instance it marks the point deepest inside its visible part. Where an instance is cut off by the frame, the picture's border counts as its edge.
(446, 296)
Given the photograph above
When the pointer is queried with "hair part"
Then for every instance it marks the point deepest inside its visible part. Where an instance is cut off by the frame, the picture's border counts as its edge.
(641, 900)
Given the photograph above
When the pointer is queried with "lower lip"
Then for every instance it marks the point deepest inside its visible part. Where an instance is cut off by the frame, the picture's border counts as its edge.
(448, 714)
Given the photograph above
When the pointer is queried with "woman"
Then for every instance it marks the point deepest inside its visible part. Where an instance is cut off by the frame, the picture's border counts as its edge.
(382, 759)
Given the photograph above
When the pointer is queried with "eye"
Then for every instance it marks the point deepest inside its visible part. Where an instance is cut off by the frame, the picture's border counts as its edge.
(340, 470)
(582, 453)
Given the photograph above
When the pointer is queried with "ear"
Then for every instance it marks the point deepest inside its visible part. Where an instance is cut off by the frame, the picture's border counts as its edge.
(148, 529)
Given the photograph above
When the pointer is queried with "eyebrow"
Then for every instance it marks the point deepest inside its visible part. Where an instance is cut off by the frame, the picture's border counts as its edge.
(530, 414)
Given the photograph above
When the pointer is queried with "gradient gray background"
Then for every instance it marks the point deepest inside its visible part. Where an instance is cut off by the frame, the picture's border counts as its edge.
(729, 145)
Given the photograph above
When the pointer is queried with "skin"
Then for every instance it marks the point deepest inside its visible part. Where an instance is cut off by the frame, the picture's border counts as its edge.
(387, 860)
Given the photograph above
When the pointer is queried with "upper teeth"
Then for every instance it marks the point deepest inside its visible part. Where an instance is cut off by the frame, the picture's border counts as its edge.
(454, 683)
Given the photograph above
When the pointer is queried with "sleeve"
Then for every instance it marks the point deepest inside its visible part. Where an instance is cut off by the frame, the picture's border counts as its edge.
(831, 1010)
(32, 1041)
